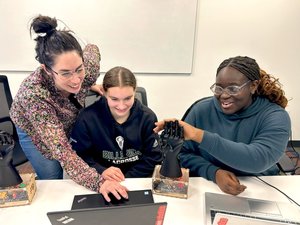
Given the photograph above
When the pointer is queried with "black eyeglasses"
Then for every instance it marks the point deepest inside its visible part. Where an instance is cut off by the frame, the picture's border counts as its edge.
(68, 74)
(231, 90)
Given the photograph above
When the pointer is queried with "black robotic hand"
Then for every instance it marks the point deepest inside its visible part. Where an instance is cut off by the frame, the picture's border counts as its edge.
(6, 144)
(9, 176)
(171, 140)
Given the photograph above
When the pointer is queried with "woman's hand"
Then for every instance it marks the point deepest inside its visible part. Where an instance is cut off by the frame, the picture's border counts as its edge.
(113, 173)
(114, 187)
(189, 132)
(97, 88)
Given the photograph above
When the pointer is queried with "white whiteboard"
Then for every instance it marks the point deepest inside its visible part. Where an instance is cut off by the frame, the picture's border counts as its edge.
(147, 36)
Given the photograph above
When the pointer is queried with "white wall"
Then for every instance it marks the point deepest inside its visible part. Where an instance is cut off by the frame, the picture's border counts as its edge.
(267, 30)
(123, 30)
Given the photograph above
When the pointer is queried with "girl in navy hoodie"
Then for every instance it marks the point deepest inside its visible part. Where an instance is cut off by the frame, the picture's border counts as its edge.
(115, 134)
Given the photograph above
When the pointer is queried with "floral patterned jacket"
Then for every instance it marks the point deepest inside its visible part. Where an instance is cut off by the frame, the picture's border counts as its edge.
(41, 110)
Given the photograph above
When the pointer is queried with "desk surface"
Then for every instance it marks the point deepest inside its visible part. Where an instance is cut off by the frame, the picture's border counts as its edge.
(56, 195)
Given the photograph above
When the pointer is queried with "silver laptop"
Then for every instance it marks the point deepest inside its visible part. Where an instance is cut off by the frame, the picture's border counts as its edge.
(250, 208)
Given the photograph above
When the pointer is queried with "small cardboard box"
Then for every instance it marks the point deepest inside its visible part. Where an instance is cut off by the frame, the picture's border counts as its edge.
(21, 194)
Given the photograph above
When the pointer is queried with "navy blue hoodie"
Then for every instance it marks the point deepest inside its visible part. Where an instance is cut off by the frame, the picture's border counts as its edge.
(102, 142)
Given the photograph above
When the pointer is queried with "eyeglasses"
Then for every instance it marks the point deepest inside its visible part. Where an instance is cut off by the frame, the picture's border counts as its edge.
(68, 74)
(231, 90)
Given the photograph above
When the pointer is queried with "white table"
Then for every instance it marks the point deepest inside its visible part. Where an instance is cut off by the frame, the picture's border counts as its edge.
(56, 195)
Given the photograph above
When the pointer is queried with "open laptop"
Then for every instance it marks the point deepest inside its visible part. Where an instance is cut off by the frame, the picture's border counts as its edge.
(97, 200)
(250, 208)
(145, 214)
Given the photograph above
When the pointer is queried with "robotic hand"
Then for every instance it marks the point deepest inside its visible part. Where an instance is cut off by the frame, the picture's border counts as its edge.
(9, 176)
(171, 140)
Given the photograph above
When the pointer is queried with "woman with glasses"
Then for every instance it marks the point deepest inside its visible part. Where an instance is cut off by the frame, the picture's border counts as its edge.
(48, 102)
(241, 131)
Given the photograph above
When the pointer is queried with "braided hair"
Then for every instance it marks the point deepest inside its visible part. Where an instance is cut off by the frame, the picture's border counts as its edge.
(268, 87)
(51, 42)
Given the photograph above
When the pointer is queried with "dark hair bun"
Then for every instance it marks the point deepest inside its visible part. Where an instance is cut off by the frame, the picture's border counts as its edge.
(44, 24)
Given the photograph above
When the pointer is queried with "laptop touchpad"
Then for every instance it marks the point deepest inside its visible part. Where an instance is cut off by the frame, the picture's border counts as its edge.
(262, 207)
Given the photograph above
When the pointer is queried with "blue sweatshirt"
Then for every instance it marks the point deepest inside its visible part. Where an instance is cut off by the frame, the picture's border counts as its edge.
(102, 142)
(247, 143)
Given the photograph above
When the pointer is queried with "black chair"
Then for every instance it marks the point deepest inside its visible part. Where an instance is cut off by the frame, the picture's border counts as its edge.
(189, 109)
(5, 122)
(140, 94)
(289, 163)
(91, 97)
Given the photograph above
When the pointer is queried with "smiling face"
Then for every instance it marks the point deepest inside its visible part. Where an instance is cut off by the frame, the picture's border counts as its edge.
(231, 104)
(68, 72)
(120, 101)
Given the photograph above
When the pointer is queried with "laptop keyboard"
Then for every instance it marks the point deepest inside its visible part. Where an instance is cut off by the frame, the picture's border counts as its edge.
(214, 212)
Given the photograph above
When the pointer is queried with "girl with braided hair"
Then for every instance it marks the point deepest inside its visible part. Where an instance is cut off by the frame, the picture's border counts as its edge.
(242, 130)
